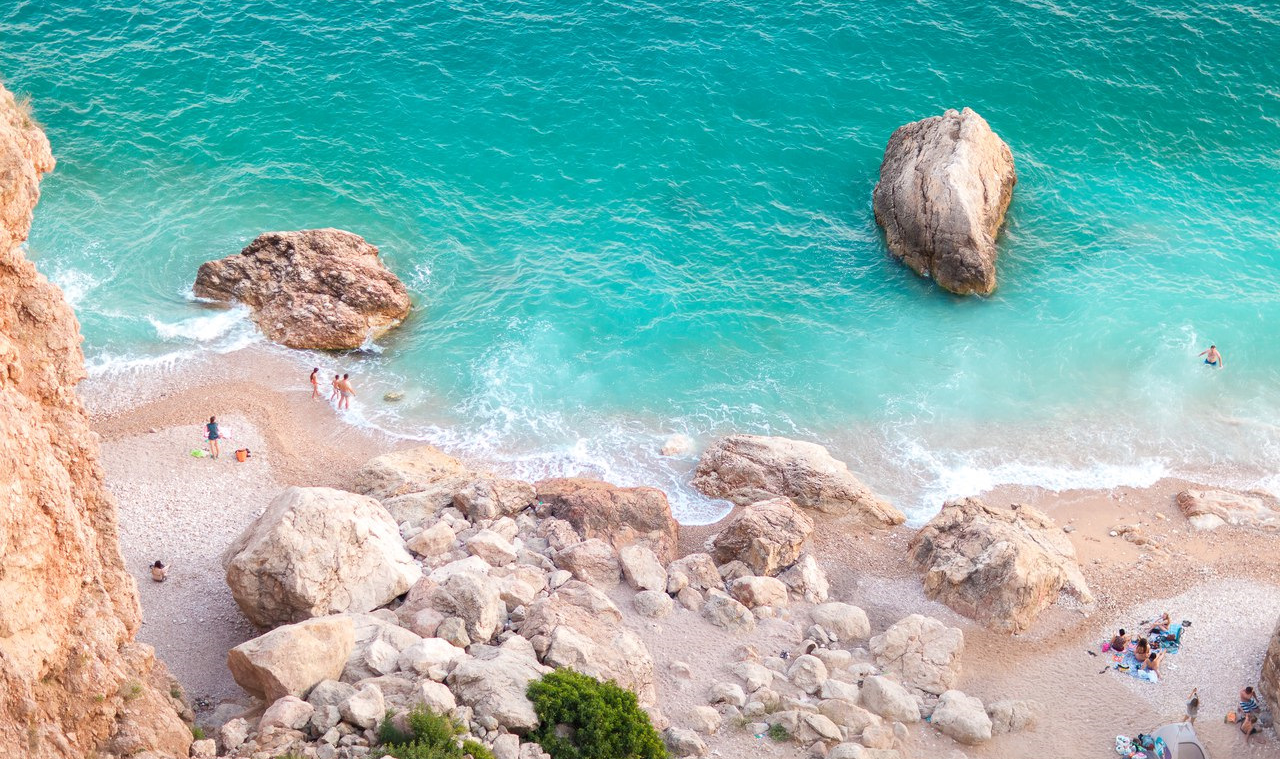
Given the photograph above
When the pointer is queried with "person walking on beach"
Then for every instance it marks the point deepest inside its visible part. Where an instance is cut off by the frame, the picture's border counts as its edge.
(211, 433)
(1193, 706)
(315, 383)
(337, 392)
(346, 391)
(1212, 357)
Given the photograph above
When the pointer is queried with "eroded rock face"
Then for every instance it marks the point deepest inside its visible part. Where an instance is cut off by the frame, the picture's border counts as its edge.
(1269, 684)
(619, 516)
(72, 678)
(945, 184)
(1210, 509)
(317, 551)
(1000, 565)
(766, 536)
(750, 468)
(324, 289)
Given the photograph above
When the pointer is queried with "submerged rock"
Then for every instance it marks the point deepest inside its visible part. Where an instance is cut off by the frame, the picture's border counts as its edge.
(1000, 565)
(750, 468)
(316, 288)
(945, 184)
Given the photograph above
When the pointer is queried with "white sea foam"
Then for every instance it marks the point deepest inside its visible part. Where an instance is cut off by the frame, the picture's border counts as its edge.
(205, 329)
(75, 284)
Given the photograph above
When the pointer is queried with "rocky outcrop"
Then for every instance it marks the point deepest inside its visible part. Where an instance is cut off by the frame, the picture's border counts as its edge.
(766, 536)
(1000, 565)
(1269, 684)
(72, 678)
(1210, 509)
(619, 516)
(921, 652)
(324, 289)
(414, 484)
(945, 184)
(290, 660)
(317, 551)
(494, 683)
(749, 468)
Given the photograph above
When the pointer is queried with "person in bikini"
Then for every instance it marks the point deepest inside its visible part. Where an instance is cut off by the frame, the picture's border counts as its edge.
(315, 383)
(1212, 357)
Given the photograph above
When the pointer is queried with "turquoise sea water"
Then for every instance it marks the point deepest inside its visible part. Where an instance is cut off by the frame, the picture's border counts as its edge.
(625, 219)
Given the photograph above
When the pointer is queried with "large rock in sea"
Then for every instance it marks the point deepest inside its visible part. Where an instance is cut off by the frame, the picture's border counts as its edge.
(1211, 509)
(749, 468)
(1269, 684)
(317, 551)
(616, 515)
(945, 184)
(317, 288)
(766, 536)
(1000, 565)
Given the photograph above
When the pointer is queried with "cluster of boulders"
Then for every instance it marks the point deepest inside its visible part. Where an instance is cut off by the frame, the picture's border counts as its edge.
(439, 584)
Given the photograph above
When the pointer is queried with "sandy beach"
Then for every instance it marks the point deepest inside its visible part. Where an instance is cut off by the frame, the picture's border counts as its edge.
(185, 510)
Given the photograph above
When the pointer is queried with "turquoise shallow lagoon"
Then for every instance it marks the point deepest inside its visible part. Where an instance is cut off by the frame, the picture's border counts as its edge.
(624, 220)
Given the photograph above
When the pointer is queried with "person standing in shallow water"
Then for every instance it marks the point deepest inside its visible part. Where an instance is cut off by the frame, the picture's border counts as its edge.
(346, 391)
(1212, 357)
(315, 383)
(337, 392)
(211, 432)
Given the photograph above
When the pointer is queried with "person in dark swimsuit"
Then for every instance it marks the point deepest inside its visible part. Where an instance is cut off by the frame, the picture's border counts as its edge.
(211, 432)
(1212, 357)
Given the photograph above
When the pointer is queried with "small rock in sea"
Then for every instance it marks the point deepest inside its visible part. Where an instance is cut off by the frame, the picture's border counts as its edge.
(678, 445)
(393, 396)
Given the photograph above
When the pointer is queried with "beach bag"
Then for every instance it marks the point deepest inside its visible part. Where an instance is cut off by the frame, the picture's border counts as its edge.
(242, 455)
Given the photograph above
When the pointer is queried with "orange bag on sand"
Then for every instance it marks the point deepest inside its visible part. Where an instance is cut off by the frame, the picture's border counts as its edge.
(242, 455)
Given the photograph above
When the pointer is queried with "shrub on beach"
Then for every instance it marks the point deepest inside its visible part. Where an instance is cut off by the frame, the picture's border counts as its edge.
(603, 721)
(430, 736)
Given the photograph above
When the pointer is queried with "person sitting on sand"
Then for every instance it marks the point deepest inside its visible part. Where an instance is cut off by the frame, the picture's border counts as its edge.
(315, 383)
(159, 572)
(1153, 660)
(1141, 650)
(337, 392)
(1161, 625)
(1120, 642)
(1249, 726)
(211, 433)
(346, 390)
(1212, 357)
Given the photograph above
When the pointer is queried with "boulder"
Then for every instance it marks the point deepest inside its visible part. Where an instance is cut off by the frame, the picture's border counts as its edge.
(754, 592)
(591, 561)
(921, 652)
(750, 468)
(807, 580)
(704, 719)
(727, 693)
(494, 682)
(889, 700)
(377, 647)
(1011, 716)
(432, 541)
(697, 571)
(475, 599)
(817, 727)
(416, 483)
(683, 743)
(435, 696)
(322, 289)
(233, 733)
(317, 551)
(845, 621)
(641, 568)
(1000, 565)
(290, 660)
(1210, 509)
(364, 708)
(653, 604)
(1269, 684)
(766, 536)
(494, 498)
(846, 714)
(722, 611)
(620, 516)
(961, 717)
(289, 712)
(584, 631)
(491, 547)
(329, 693)
(945, 184)
(807, 673)
(431, 657)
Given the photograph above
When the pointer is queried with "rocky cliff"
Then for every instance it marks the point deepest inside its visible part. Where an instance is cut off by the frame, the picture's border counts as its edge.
(73, 682)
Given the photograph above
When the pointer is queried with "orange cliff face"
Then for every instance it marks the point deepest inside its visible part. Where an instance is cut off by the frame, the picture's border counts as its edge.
(73, 682)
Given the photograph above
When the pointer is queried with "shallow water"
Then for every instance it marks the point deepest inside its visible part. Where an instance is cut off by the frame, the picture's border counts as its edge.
(623, 220)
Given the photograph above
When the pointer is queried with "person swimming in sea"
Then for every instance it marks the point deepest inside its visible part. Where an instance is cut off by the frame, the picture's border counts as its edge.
(1212, 357)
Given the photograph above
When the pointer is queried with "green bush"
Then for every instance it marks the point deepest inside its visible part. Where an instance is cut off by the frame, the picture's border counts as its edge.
(778, 732)
(430, 736)
(604, 721)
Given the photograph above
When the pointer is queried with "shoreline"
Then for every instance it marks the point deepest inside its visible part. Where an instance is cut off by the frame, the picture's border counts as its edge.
(304, 442)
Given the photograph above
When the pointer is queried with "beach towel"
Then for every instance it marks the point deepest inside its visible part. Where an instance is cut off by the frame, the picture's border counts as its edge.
(1129, 665)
